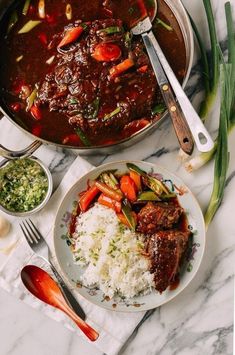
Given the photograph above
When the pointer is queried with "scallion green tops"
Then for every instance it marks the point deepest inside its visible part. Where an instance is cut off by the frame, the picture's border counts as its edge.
(23, 185)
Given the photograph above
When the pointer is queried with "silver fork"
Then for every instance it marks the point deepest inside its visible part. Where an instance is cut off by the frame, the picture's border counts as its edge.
(39, 246)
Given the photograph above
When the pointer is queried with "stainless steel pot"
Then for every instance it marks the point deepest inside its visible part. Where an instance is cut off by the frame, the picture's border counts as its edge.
(181, 15)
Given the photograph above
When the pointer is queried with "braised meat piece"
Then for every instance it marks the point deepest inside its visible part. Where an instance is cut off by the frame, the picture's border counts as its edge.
(80, 87)
(156, 216)
(165, 250)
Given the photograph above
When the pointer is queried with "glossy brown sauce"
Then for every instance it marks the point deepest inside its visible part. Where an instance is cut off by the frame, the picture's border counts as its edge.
(32, 68)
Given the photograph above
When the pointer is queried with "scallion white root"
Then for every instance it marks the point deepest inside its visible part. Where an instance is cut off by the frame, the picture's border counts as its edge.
(69, 12)
(50, 60)
(41, 9)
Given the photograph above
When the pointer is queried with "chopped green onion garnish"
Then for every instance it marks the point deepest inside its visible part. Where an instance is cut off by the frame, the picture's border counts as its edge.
(153, 183)
(29, 26)
(83, 25)
(12, 21)
(18, 59)
(109, 179)
(69, 12)
(148, 196)
(126, 210)
(110, 30)
(96, 106)
(128, 38)
(158, 109)
(50, 60)
(26, 7)
(30, 100)
(73, 101)
(164, 24)
(135, 168)
(83, 137)
(113, 113)
(41, 9)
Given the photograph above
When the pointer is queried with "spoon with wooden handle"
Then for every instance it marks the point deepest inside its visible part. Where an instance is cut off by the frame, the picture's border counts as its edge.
(41, 285)
(180, 108)
(180, 125)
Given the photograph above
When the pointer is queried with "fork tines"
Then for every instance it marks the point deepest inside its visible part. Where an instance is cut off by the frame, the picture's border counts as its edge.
(30, 231)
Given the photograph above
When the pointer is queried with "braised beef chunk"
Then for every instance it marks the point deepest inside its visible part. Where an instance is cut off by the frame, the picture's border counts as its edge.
(80, 86)
(156, 216)
(165, 249)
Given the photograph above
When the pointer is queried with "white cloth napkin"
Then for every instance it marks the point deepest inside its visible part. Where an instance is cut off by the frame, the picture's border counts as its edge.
(114, 327)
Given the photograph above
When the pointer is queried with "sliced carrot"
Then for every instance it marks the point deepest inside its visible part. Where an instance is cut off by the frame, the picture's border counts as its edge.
(43, 38)
(106, 52)
(136, 178)
(124, 220)
(121, 67)
(135, 126)
(70, 36)
(128, 187)
(108, 202)
(107, 12)
(108, 191)
(51, 19)
(16, 106)
(71, 139)
(36, 112)
(37, 130)
(143, 69)
(88, 197)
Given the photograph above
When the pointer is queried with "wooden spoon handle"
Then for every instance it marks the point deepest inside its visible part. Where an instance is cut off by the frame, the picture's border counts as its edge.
(85, 328)
(181, 128)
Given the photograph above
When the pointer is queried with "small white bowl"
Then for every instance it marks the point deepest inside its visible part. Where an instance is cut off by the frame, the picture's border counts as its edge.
(46, 198)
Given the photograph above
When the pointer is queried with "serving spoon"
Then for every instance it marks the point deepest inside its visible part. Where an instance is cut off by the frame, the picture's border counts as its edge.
(41, 285)
(184, 117)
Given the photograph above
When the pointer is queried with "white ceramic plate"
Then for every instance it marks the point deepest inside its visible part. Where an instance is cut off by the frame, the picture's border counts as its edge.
(73, 272)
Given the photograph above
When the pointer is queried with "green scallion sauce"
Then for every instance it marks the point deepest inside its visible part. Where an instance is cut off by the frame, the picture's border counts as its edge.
(23, 185)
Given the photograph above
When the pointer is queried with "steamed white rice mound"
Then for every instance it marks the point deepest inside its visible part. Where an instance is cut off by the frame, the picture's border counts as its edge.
(112, 254)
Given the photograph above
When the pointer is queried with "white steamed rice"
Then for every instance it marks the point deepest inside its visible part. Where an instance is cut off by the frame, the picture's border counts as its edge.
(111, 253)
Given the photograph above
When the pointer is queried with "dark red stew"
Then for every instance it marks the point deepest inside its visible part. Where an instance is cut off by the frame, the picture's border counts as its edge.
(72, 73)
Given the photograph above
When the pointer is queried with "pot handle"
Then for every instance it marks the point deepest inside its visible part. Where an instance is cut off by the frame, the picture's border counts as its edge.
(10, 154)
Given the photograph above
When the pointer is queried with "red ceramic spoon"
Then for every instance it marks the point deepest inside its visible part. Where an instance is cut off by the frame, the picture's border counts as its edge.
(42, 286)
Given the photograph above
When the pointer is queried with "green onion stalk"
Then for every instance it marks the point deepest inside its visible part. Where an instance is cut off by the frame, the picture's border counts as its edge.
(227, 120)
(222, 154)
(211, 77)
(203, 158)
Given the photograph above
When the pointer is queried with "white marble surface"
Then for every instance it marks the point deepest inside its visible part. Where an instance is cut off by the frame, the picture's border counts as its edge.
(200, 319)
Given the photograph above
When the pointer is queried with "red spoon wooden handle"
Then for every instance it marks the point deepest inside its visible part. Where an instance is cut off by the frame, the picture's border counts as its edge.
(182, 130)
(85, 328)
(42, 286)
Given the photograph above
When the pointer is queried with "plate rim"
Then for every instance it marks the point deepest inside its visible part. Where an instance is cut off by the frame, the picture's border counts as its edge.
(165, 171)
